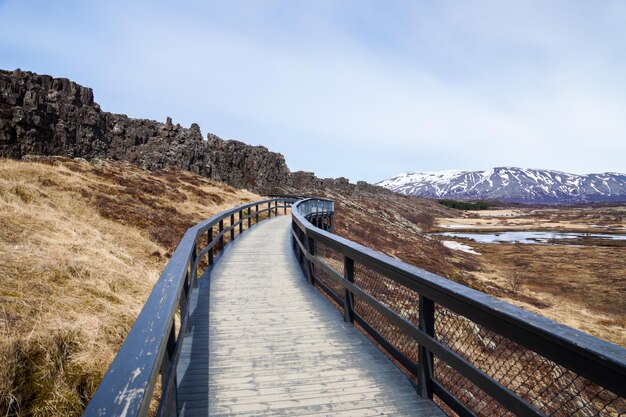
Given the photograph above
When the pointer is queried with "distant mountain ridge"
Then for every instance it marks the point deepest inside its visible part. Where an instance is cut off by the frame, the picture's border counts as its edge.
(512, 184)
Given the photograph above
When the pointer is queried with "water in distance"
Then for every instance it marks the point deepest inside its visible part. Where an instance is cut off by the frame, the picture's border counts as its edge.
(529, 237)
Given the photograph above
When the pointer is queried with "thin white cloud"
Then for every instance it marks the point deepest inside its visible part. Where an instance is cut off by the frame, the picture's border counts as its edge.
(356, 89)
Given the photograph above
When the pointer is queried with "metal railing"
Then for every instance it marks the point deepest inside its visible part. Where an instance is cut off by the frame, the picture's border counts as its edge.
(473, 354)
(152, 347)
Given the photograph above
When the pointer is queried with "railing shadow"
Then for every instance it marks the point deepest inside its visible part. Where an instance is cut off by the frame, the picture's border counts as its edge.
(193, 384)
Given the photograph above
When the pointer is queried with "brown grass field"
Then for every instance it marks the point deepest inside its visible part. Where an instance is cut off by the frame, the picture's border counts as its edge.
(81, 246)
(582, 285)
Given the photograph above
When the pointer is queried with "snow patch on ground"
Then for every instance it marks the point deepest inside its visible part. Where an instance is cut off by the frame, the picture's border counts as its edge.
(451, 244)
(457, 226)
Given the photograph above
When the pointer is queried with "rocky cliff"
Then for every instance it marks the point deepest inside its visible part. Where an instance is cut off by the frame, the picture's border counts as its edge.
(42, 115)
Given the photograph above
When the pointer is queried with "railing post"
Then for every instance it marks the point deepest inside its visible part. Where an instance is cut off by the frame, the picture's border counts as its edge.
(257, 214)
(276, 207)
(184, 297)
(301, 256)
(221, 229)
(425, 357)
(193, 275)
(240, 221)
(232, 227)
(249, 215)
(285, 207)
(299, 237)
(168, 406)
(269, 210)
(348, 274)
(310, 244)
(209, 240)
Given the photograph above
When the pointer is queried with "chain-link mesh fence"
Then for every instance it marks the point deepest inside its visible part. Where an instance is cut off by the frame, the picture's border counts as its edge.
(549, 387)
(335, 261)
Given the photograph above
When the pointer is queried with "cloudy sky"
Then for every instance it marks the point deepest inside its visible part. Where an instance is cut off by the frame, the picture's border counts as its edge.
(362, 89)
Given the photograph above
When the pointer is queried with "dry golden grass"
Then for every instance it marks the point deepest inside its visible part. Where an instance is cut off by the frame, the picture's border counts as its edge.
(393, 224)
(600, 219)
(81, 245)
(396, 228)
(582, 285)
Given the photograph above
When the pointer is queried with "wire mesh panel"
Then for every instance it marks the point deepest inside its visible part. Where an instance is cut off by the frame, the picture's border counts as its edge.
(334, 260)
(547, 386)
(466, 392)
(398, 339)
(396, 297)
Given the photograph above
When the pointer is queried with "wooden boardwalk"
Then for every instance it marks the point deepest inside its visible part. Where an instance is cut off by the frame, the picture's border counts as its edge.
(277, 346)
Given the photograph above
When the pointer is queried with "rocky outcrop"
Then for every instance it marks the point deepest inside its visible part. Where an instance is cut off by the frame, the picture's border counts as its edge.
(42, 115)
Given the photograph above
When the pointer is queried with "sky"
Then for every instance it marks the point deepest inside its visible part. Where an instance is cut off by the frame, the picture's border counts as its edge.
(360, 89)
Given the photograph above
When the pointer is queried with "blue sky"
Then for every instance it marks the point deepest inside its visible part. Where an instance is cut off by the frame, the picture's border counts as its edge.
(362, 89)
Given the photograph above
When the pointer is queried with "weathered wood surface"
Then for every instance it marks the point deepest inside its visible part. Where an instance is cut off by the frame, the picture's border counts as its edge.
(277, 346)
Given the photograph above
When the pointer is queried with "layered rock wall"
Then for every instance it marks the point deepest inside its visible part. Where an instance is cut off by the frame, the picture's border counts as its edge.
(42, 115)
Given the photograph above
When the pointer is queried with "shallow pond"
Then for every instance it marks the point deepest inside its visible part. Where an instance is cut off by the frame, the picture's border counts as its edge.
(529, 237)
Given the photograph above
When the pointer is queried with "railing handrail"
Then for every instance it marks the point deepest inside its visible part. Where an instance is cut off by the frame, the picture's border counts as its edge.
(127, 387)
(600, 361)
(613, 355)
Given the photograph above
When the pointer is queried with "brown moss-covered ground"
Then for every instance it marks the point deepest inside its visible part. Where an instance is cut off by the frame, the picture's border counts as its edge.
(81, 245)
(581, 286)
(581, 283)
(397, 225)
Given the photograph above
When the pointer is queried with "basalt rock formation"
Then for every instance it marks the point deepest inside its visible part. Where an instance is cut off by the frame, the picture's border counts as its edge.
(42, 115)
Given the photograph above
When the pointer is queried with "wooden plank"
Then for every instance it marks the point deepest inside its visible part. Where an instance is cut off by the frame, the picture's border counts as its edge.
(275, 346)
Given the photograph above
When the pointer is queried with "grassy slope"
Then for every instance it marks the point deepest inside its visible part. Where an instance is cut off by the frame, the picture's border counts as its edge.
(81, 246)
(565, 284)
(393, 224)
(581, 286)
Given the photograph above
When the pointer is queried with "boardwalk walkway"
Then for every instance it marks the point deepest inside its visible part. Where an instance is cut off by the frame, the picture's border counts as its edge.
(277, 346)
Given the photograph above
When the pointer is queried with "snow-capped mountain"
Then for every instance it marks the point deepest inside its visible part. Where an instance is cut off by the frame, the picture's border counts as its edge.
(512, 184)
